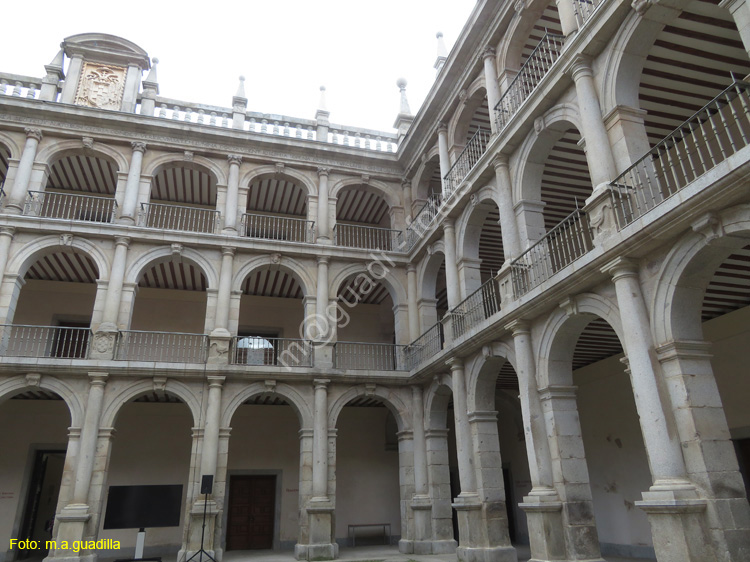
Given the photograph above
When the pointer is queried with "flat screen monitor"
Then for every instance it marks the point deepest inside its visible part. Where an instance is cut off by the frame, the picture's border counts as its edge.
(135, 507)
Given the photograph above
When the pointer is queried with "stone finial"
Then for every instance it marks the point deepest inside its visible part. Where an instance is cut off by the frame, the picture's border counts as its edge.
(442, 52)
(404, 109)
(322, 104)
(241, 88)
(152, 82)
(56, 66)
(239, 101)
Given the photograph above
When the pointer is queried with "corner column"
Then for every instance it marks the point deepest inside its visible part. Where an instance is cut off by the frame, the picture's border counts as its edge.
(320, 510)
(133, 184)
(675, 509)
(20, 187)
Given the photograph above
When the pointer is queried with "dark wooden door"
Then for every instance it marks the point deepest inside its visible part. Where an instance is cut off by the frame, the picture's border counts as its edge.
(252, 501)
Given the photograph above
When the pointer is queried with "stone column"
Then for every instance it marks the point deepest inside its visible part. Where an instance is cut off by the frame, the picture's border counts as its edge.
(542, 506)
(672, 503)
(566, 11)
(741, 13)
(411, 287)
(436, 443)
(421, 503)
(320, 510)
(324, 236)
(445, 159)
(233, 188)
(18, 191)
(490, 80)
(706, 443)
(106, 333)
(570, 472)
(406, 194)
(220, 338)
(504, 194)
(71, 521)
(406, 490)
(6, 237)
(598, 152)
(321, 301)
(133, 184)
(451, 267)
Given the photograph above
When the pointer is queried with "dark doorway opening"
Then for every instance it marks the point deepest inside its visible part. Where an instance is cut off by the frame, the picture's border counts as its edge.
(41, 502)
(252, 501)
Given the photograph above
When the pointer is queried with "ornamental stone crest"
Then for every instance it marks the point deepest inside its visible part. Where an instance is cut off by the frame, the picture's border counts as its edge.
(101, 86)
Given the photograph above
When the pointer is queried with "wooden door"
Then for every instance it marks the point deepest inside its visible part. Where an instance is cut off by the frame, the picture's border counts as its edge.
(252, 501)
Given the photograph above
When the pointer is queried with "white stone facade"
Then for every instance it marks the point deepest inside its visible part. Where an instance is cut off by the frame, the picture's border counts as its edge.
(522, 318)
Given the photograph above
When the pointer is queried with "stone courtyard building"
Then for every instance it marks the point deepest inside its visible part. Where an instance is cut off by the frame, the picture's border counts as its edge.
(521, 318)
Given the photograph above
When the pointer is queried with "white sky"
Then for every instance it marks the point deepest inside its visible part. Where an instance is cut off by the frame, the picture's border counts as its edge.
(286, 49)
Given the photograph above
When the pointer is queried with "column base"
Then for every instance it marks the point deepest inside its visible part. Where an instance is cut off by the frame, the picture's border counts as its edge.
(678, 524)
(193, 543)
(320, 514)
(71, 527)
(421, 508)
(544, 519)
(316, 551)
(489, 554)
(473, 533)
(126, 220)
(427, 546)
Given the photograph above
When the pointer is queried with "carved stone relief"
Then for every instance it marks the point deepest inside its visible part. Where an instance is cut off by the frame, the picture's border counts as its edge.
(101, 86)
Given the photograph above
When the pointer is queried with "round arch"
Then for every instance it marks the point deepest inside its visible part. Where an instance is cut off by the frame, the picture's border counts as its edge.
(421, 181)
(372, 186)
(687, 271)
(395, 289)
(15, 385)
(290, 265)
(135, 270)
(53, 152)
(427, 271)
(458, 126)
(14, 149)
(153, 167)
(267, 170)
(469, 224)
(436, 399)
(29, 253)
(560, 333)
(389, 397)
(535, 148)
(300, 404)
(510, 49)
(114, 403)
(481, 375)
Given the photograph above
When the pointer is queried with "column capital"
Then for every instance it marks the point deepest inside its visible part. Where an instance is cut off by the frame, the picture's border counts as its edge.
(488, 52)
(411, 268)
(33, 133)
(122, 241)
(215, 381)
(97, 378)
(449, 223)
(138, 146)
(501, 161)
(442, 127)
(323, 172)
(557, 391)
(324, 260)
(405, 183)
(519, 327)
(321, 383)
(228, 251)
(580, 67)
(455, 363)
(620, 267)
(234, 159)
(8, 231)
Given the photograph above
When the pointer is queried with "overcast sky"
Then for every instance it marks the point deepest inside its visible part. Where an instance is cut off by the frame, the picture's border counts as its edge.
(286, 49)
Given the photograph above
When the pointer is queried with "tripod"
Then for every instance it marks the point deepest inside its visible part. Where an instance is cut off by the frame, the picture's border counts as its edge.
(206, 485)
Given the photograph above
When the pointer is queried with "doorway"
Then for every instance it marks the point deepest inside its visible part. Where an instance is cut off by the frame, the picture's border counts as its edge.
(252, 503)
(41, 503)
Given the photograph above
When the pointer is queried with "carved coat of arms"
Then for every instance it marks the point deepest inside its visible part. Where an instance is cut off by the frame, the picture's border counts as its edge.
(101, 86)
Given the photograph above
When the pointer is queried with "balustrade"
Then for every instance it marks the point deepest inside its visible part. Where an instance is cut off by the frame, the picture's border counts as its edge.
(584, 9)
(370, 356)
(70, 206)
(425, 346)
(269, 227)
(468, 158)
(19, 86)
(561, 246)
(166, 347)
(714, 133)
(176, 217)
(422, 220)
(528, 78)
(281, 352)
(17, 340)
(366, 237)
(477, 307)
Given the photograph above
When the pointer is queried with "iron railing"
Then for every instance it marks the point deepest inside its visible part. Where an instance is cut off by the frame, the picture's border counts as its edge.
(166, 347)
(422, 220)
(177, 217)
(366, 237)
(281, 352)
(70, 206)
(584, 9)
(371, 356)
(531, 73)
(477, 307)
(269, 227)
(425, 346)
(561, 246)
(18, 340)
(714, 133)
(468, 158)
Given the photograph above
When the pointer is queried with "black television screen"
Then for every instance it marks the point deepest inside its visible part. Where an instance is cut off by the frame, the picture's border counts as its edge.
(133, 507)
